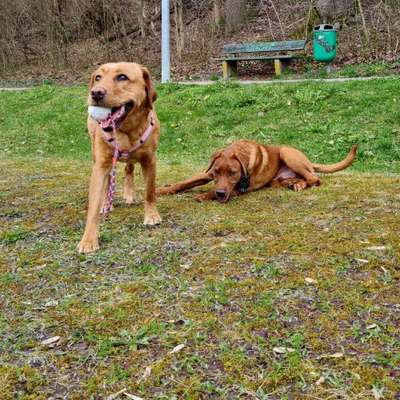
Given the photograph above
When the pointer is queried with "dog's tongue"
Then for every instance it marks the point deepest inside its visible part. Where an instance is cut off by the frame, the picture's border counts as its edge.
(113, 118)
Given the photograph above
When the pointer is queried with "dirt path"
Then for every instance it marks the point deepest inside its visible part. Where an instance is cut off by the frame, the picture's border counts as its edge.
(274, 81)
(15, 88)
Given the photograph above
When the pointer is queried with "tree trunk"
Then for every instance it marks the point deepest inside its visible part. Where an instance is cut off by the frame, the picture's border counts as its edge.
(235, 14)
(142, 18)
(217, 13)
(366, 34)
(179, 28)
(330, 10)
(57, 34)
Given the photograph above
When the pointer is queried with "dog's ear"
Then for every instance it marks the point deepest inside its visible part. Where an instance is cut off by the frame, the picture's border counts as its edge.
(150, 90)
(243, 161)
(214, 157)
(247, 157)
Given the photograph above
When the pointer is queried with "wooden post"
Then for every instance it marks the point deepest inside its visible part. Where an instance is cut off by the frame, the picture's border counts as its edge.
(229, 69)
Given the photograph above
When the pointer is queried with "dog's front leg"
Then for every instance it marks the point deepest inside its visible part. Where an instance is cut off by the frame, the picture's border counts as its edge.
(151, 215)
(197, 180)
(90, 242)
(105, 197)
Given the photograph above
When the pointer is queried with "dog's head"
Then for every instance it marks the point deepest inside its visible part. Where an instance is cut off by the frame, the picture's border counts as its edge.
(124, 87)
(230, 172)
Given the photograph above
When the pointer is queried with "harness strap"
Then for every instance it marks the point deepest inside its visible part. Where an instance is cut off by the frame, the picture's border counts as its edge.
(122, 154)
(111, 140)
(111, 185)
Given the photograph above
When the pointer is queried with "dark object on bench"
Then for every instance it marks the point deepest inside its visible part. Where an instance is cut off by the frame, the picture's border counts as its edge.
(254, 52)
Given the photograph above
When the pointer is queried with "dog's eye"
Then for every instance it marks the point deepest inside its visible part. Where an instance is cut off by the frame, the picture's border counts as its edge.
(232, 173)
(122, 77)
(97, 78)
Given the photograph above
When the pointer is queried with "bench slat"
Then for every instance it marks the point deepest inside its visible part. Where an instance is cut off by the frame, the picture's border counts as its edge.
(258, 58)
(264, 46)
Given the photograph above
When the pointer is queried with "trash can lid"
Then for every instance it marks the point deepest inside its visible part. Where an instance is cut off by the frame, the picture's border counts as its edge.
(324, 27)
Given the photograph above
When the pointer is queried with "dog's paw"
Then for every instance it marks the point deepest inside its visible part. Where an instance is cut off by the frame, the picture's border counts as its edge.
(152, 218)
(297, 187)
(131, 199)
(314, 181)
(201, 197)
(87, 246)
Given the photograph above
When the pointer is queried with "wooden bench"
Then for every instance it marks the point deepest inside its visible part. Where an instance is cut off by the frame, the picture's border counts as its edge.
(233, 53)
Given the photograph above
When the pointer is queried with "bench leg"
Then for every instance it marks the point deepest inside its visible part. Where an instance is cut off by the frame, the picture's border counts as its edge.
(280, 66)
(229, 69)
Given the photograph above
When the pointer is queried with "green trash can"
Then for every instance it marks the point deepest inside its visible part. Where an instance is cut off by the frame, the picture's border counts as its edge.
(324, 43)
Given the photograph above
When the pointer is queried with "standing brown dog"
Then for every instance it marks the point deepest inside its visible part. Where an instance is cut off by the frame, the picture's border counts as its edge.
(245, 166)
(127, 89)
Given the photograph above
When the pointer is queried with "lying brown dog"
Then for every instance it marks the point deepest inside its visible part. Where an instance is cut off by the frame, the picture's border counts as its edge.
(245, 166)
(126, 89)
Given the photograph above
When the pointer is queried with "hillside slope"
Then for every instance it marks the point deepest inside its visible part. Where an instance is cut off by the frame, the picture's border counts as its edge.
(40, 42)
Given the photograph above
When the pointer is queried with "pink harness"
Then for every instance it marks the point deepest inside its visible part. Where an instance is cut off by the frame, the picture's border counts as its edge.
(122, 155)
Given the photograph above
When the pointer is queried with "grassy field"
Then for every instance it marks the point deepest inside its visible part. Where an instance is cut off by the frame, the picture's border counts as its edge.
(276, 295)
(319, 118)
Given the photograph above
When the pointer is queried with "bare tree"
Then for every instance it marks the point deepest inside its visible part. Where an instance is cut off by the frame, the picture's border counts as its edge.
(79, 33)
(179, 27)
(217, 12)
(57, 32)
(141, 17)
(330, 10)
(360, 7)
(234, 14)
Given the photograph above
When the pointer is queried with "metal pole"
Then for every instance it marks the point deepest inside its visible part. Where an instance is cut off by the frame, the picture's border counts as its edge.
(165, 53)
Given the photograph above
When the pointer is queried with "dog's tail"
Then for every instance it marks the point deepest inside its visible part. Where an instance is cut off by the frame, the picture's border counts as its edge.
(346, 162)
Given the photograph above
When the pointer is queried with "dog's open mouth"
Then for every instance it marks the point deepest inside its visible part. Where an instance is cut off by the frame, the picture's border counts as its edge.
(117, 117)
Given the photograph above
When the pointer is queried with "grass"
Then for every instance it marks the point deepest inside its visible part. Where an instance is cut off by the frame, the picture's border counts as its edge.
(322, 119)
(229, 282)
(381, 68)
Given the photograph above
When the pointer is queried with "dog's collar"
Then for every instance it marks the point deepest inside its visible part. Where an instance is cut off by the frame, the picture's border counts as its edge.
(111, 140)
(243, 184)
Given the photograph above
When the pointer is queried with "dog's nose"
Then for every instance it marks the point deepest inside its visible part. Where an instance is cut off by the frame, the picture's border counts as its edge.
(98, 94)
(220, 193)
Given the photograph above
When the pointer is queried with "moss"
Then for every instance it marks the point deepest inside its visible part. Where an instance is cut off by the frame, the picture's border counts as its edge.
(227, 281)
(20, 382)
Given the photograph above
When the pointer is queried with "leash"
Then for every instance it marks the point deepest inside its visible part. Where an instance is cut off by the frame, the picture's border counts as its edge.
(122, 155)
